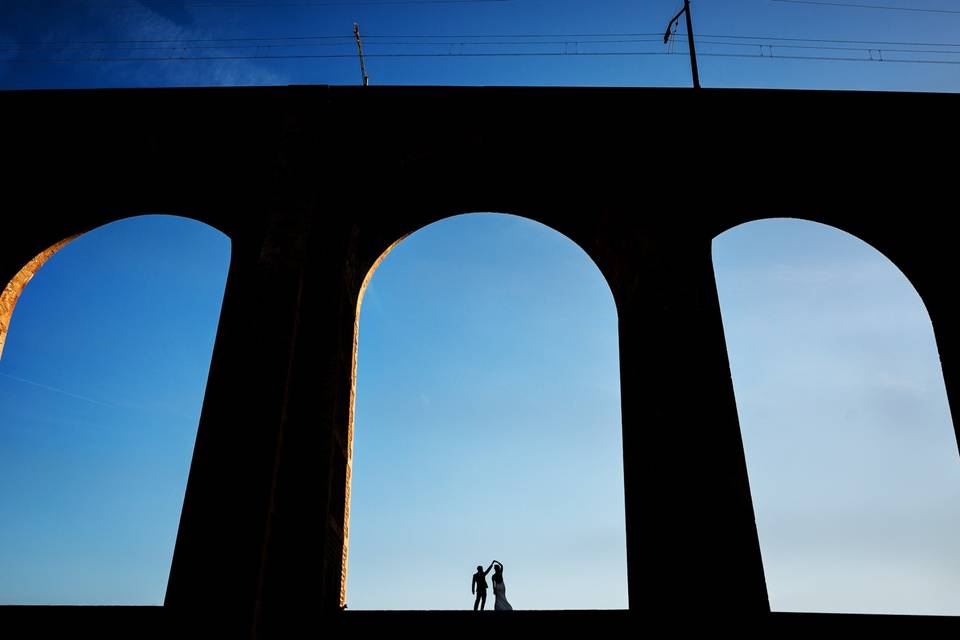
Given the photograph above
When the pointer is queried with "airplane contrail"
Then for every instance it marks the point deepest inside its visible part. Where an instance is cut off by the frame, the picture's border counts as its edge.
(60, 391)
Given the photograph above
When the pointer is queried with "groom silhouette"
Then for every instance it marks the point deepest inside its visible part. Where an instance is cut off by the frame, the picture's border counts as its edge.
(479, 586)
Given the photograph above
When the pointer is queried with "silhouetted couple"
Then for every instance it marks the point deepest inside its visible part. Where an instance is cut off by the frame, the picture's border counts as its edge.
(479, 586)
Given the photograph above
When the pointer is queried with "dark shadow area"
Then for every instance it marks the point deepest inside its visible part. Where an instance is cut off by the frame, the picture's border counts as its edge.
(261, 546)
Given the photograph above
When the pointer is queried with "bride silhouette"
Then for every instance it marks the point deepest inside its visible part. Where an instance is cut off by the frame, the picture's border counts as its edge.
(499, 589)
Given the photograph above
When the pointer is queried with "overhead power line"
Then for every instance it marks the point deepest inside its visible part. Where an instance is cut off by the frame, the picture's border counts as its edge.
(877, 42)
(531, 45)
(348, 37)
(879, 7)
(464, 47)
(254, 44)
(352, 56)
(828, 48)
(459, 38)
(380, 43)
(304, 3)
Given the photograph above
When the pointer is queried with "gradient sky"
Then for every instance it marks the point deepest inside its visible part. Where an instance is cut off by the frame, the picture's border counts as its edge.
(460, 458)
(850, 445)
(101, 383)
(851, 457)
(488, 423)
(34, 30)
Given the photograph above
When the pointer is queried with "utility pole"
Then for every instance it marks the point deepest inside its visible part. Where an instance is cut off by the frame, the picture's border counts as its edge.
(363, 68)
(690, 46)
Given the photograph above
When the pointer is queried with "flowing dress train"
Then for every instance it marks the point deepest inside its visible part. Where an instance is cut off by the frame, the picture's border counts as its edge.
(500, 591)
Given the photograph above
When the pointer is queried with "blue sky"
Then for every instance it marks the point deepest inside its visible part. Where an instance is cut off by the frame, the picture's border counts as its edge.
(830, 347)
(53, 29)
(488, 423)
(487, 420)
(850, 446)
(101, 383)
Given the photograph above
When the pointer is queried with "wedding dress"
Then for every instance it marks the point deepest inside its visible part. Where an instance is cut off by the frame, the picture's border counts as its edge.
(500, 591)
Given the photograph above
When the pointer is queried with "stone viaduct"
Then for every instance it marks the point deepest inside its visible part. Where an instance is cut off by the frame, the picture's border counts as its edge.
(313, 184)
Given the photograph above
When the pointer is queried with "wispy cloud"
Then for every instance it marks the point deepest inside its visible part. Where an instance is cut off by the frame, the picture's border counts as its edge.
(45, 34)
(158, 21)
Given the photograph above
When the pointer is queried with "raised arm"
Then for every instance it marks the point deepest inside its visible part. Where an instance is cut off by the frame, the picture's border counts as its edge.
(488, 568)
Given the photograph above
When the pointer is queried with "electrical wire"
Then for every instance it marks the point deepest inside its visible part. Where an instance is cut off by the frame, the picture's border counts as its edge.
(348, 38)
(304, 3)
(104, 59)
(880, 7)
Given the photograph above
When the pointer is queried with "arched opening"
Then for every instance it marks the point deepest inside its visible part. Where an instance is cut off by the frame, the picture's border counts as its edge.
(11, 292)
(101, 384)
(850, 447)
(487, 423)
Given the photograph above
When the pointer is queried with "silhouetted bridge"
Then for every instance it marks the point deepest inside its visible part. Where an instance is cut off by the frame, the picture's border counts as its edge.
(313, 184)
